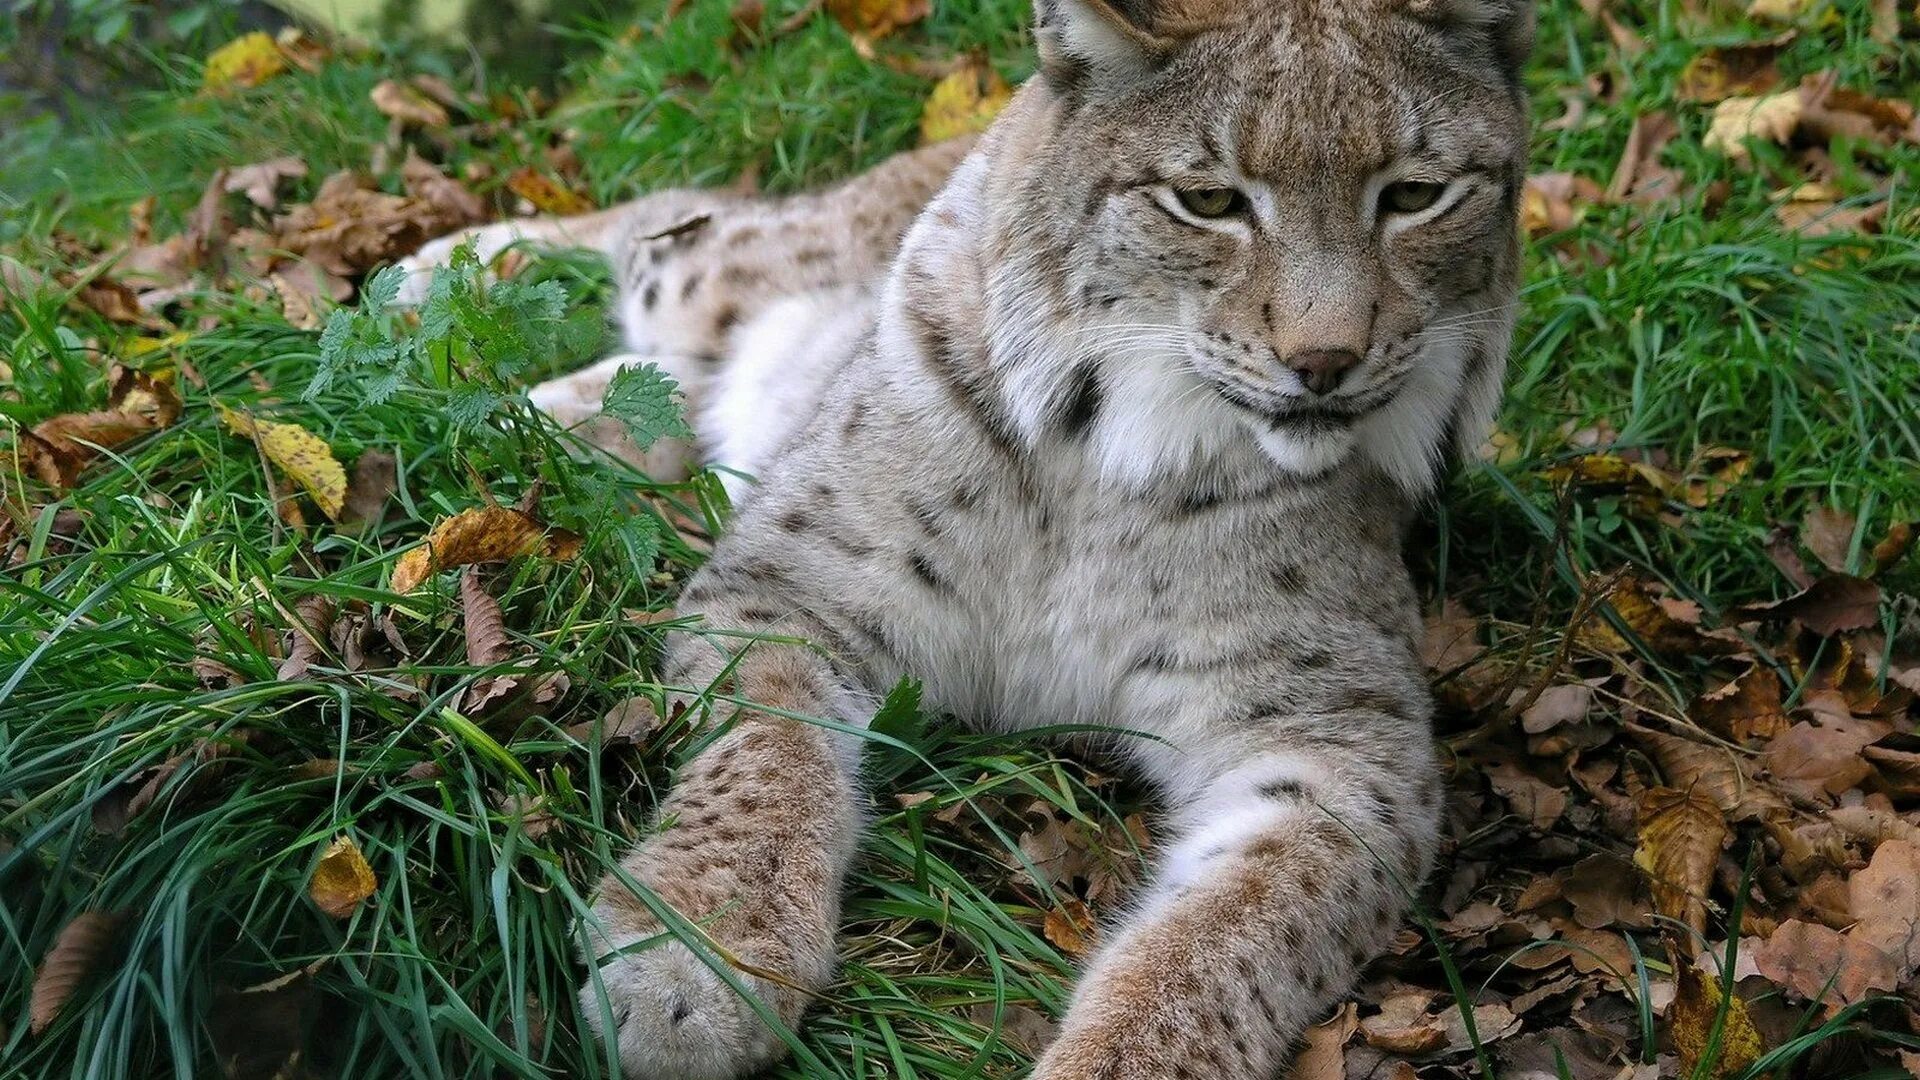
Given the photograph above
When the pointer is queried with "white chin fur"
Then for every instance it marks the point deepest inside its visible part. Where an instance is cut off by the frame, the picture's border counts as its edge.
(1308, 453)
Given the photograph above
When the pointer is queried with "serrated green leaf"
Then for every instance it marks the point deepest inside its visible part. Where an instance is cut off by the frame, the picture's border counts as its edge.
(647, 402)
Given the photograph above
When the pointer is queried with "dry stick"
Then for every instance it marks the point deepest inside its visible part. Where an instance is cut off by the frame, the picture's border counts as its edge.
(1592, 595)
(1537, 622)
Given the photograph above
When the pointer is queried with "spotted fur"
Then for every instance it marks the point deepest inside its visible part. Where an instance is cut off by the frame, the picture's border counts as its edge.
(1062, 463)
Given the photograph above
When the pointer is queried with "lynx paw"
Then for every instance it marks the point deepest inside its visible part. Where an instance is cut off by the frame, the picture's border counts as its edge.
(674, 1019)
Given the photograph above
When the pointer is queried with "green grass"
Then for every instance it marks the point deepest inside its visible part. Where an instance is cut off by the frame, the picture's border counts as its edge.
(1693, 330)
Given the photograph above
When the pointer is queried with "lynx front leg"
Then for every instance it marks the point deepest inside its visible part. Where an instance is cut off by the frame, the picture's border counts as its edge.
(755, 840)
(1292, 870)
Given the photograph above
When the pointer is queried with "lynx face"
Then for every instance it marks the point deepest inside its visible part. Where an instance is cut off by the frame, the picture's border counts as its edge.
(1307, 207)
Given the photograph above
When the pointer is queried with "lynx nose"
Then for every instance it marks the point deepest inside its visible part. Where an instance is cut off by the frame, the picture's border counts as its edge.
(1322, 369)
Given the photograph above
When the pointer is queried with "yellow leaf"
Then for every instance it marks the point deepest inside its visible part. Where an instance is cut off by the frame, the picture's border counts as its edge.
(245, 61)
(303, 456)
(964, 102)
(342, 880)
(1773, 118)
(1696, 1004)
(490, 534)
(1681, 833)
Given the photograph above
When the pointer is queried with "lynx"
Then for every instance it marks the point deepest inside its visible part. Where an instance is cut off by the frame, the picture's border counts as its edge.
(1117, 417)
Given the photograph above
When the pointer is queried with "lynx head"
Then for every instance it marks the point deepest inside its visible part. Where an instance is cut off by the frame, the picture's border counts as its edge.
(1289, 218)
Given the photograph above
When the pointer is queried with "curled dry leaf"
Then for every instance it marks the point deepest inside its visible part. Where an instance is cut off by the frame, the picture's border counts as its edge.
(1724, 71)
(260, 182)
(1773, 118)
(407, 104)
(1697, 1007)
(1833, 605)
(1640, 177)
(548, 195)
(878, 18)
(1553, 202)
(492, 534)
(1323, 1053)
(1681, 834)
(965, 102)
(1749, 707)
(1070, 928)
(303, 456)
(341, 880)
(312, 627)
(1403, 1025)
(55, 450)
(73, 956)
(488, 645)
(1822, 964)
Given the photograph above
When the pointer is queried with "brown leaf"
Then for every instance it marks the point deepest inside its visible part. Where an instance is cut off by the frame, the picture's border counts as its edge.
(352, 227)
(375, 477)
(1553, 202)
(491, 534)
(1819, 761)
(1713, 771)
(547, 195)
(1403, 1025)
(1828, 533)
(1681, 834)
(1557, 705)
(341, 880)
(57, 449)
(1821, 964)
(1886, 898)
(260, 182)
(1817, 210)
(448, 198)
(313, 622)
(1725, 71)
(1452, 639)
(1027, 1029)
(626, 724)
(488, 645)
(1539, 802)
(878, 18)
(405, 103)
(1833, 605)
(1749, 707)
(1894, 547)
(1696, 1009)
(75, 952)
(1640, 178)
(1323, 1053)
(1604, 892)
(1070, 928)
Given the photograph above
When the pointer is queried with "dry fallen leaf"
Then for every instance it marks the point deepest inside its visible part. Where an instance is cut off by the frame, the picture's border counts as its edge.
(489, 534)
(878, 18)
(303, 456)
(1822, 964)
(547, 195)
(1886, 898)
(1553, 202)
(1323, 1053)
(965, 102)
(1070, 928)
(1640, 177)
(260, 182)
(1749, 707)
(1833, 605)
(74, 953)
(55, 450)
(1724, 71)
(341, 880)
(1773, 118)
(1696, 1009)
(1681, 834)
(405, 103)
(245, 61)
(1403, 1025)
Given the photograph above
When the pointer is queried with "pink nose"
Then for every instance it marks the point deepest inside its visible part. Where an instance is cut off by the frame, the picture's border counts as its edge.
(1322, 369)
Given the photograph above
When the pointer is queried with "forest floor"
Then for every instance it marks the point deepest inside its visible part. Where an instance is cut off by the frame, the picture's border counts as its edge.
(279, 797)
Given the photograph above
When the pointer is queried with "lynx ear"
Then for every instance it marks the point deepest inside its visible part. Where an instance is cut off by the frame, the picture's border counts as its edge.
(1104, 39)
(1510, 22)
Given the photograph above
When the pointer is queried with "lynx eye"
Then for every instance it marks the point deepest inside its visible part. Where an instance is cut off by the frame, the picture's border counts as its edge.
(1411, 196)
(1212, 202)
